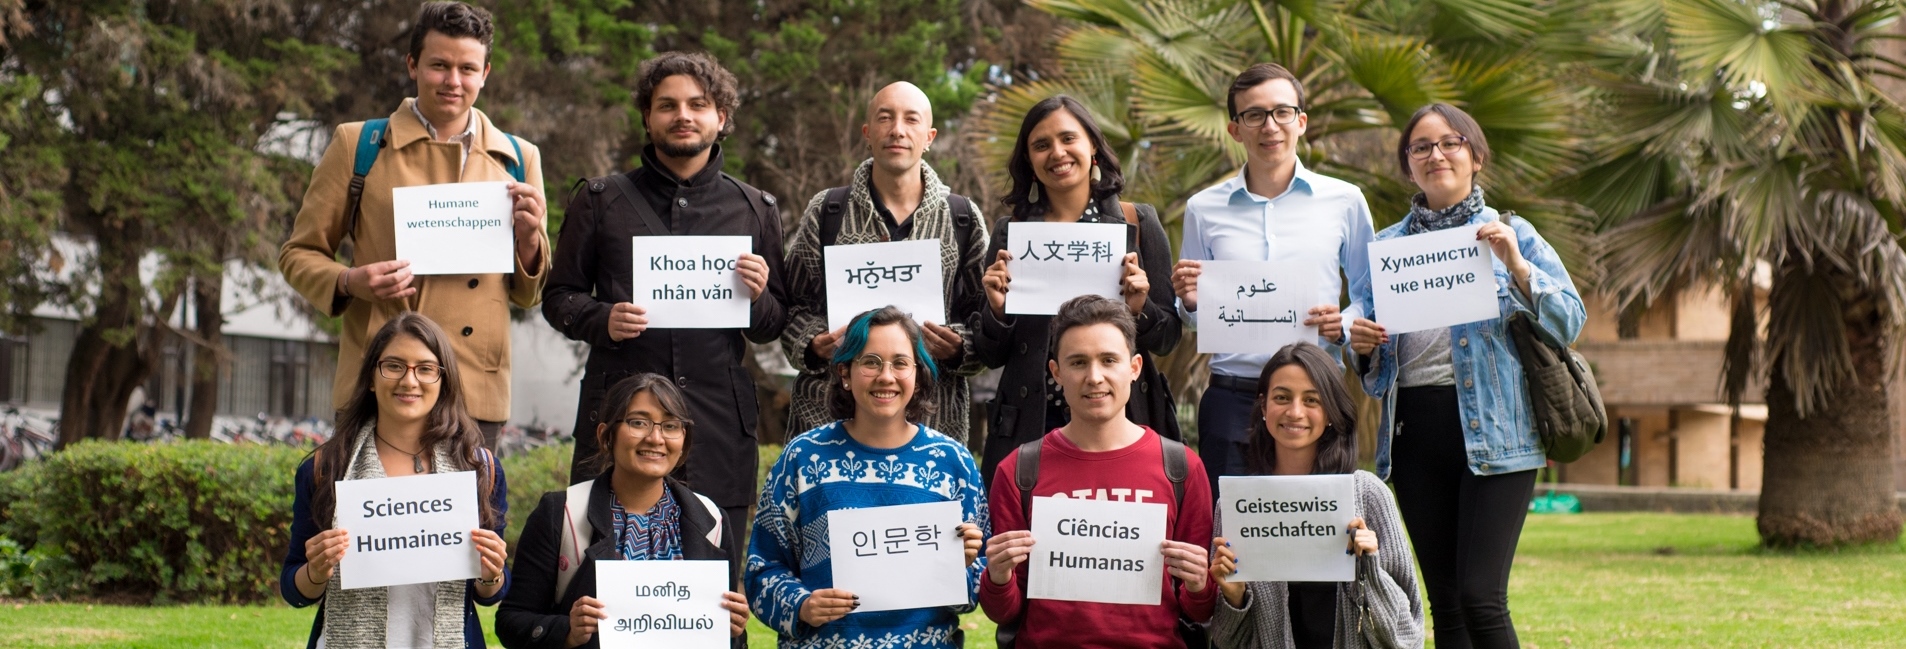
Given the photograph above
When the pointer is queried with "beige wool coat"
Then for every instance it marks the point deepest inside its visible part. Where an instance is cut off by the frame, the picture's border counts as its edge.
(472, 309)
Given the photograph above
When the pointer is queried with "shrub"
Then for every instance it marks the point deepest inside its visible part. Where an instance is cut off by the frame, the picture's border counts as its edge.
(532, 474)
(193, 521)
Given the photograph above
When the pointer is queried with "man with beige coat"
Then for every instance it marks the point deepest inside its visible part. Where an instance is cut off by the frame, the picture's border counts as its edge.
(437, 137)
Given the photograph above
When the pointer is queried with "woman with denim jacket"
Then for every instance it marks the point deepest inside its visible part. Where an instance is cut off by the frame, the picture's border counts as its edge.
(1456, 411)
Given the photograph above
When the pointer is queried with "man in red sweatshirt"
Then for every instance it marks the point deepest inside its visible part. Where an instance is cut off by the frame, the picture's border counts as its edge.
(1098, 455)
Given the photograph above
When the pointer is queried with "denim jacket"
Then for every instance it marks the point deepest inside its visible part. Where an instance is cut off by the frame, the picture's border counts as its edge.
(1491, 392)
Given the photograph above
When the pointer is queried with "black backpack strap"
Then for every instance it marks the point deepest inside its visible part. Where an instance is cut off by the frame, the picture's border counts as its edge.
(962, 218)
(1177, 469)
(1026, 475)
(832, 213)
(759, 201)
(639, 204)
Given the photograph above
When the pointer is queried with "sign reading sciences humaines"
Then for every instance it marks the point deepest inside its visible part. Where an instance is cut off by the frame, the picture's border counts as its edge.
(1432, 280)
(1289, 528)
(691, 282)
(408, 530)
(1096, 551)
(662, 604)
(455, 228)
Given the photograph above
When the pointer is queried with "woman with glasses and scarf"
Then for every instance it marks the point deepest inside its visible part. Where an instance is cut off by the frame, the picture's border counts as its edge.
(405, 417)
(1456, 415)
(877, 454)
(632, 511)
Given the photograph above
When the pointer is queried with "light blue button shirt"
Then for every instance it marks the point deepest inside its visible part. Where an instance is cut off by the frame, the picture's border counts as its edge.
(1318, 219)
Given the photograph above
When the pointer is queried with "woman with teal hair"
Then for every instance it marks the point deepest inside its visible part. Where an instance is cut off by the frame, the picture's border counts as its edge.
(877, 454)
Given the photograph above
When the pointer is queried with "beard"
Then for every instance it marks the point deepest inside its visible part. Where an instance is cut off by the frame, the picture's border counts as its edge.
(688, 150)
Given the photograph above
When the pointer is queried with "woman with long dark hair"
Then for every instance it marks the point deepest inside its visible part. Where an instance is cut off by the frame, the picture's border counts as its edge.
(405, 417)
(1306, 424)
(1064, 171)
(1455, 398)
(632, 511)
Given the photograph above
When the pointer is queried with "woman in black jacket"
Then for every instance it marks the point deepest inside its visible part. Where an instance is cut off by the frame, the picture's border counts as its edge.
(1063, 171)
(643, 438)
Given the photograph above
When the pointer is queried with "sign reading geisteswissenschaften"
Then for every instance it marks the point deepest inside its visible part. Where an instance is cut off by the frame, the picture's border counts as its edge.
(455, 228)
(868, 547)
(905, 274)
(1289, 528)
(662, 604)
(408, 530)
(1432, 280)
(1096, 551)
(691, 282)
(1255, 307)
(1055, 262)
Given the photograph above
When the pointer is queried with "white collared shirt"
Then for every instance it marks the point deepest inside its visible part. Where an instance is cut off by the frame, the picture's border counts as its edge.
(466, 138)
(1317, 219)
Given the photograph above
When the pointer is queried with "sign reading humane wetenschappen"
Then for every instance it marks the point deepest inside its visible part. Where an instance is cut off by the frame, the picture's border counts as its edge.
(691, 282)
(455, 228)
(1096, 551)
(1289, 528)
(662, 604)
(1255, 307)
(408, 530)
(905, 274)
(867, 547)
(1055, 262)
(1432, 280)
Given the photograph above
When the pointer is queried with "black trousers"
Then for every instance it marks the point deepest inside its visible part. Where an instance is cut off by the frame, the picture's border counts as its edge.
(1224, 427)
(1463, 526)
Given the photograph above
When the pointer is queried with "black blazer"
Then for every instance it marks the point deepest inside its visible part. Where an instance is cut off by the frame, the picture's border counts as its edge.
(527, 619)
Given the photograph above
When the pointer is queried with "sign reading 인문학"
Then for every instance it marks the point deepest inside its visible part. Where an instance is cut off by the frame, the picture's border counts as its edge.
(455, 228)
(1432, 280)
(1096, 551)
(1255, 307)
(905, 274)
(1289, 528)
(867, 547)
(691, 282)
(408, 530)
(1055, 262)
(662, 604)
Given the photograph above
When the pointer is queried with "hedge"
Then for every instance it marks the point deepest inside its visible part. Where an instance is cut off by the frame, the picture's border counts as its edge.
(198, 521)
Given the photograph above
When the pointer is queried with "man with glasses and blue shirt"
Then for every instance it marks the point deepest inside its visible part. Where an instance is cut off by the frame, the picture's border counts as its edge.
(1273, 210)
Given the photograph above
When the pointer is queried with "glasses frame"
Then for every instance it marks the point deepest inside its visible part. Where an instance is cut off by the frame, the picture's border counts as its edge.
(408, 369)
(864, 371)
(1269, 116)
(1460, 142)
(642, 427)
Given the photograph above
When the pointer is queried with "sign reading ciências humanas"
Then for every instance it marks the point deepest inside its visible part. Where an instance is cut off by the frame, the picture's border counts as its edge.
(662, 604)
(1289, 528)
(455, 228)
(1255, 307)
(691, 282)
(408, 530)
(1096, 551)
(1055, 262)
(1432, 280)
(905, 274)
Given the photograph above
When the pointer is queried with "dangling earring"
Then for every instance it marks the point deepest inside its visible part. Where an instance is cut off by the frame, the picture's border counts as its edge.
(1095, 171)
(1032, 195)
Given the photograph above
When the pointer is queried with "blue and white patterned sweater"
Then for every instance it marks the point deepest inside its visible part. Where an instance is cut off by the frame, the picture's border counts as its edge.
(825, 469)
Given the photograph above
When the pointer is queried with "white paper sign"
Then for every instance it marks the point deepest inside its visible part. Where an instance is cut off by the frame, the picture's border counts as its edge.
(408, 530)
(691, 282)
(455, 228)
(1289, 528)
(869, 547)
(1431, 280)
(1255, 307)
(662, 604)
(1055, 262)
(1096, 551)
(905, 274)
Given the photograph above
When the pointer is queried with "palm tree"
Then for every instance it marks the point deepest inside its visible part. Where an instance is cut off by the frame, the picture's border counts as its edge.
(1750, 136)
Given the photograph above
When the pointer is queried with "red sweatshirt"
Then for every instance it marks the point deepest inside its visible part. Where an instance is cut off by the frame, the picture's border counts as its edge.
(1135, 473)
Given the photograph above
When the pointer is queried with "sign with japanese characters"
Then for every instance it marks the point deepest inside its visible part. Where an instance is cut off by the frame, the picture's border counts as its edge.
(455, 228)
(900, 556)
(691, 282)
(654, 604)
(1432, 280)
(1096, 551)
(905, 274)
(1255, 307)
(1289, 528)
(409, 530)
(1055, 262)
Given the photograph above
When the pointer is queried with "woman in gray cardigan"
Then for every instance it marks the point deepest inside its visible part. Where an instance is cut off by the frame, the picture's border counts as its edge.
(1309, 426)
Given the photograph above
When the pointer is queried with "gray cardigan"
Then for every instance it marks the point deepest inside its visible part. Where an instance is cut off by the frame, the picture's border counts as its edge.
(1389, 579)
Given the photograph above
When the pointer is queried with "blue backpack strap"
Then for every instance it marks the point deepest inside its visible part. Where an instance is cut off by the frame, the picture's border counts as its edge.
(370, 141)
(515, 166)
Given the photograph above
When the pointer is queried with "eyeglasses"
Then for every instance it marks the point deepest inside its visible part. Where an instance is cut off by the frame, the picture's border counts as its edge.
(871, 366)
(396, 369)
(1254, 117)
(671, 429)
(1449, 145)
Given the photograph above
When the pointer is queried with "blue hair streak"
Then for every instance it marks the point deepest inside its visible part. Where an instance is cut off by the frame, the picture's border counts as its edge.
(855, 341)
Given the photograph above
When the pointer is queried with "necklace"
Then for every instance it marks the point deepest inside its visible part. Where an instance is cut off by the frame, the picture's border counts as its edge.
(416, 459)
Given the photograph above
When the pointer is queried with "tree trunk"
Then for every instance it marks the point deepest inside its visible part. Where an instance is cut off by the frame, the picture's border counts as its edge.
(206, 356)
(107, 362)
(1829, 476)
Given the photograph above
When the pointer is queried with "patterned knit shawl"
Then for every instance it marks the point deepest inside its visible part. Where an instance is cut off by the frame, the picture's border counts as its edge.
(356, 618)
(1423, 219)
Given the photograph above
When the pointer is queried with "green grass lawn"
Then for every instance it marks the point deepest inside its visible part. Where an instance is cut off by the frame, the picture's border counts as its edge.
(1593, 580)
